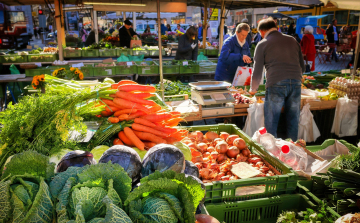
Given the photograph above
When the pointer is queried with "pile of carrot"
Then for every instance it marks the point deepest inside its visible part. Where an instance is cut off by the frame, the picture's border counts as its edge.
(151, 124)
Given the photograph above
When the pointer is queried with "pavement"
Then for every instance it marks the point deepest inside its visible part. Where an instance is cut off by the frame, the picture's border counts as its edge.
(341, 64)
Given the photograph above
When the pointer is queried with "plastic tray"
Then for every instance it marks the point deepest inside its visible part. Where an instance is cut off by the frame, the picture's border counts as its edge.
(212, 52)
(37, 71)
(90, 53)
(233, 190)
(88, 70)
(107, 53)
(263, 210)
(189, 69)
(42, 57)
(104, 71)
(68, 53)
(13, 58)
(126, 69)
(151, 68)
(126, 52)
(330, 142)
(139, 52)
(171, 69)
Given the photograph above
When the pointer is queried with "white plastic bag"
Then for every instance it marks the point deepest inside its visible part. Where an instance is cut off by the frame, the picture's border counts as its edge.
(346, 117)
(255, 118)
(241, 74)
(308, 129)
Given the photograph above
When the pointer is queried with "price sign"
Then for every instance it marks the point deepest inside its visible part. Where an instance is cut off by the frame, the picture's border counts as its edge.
(129, 63)
(185, 63)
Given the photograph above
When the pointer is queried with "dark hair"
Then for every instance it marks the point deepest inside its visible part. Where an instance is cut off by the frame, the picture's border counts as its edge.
(178, 24)
(333, 21)
(127, 22)
(190, 32)
(168, 25)
(266, 24)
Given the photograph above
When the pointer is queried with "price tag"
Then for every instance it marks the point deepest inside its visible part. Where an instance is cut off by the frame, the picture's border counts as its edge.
(109, 71)
(38, 64)
(185, 63)
(346, 71)
(129, 63)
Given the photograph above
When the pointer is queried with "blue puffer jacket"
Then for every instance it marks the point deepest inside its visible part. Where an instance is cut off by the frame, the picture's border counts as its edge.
(231, 57)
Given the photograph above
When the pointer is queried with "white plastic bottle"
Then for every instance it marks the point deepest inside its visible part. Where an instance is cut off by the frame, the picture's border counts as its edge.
(268, 142)
(288, 157)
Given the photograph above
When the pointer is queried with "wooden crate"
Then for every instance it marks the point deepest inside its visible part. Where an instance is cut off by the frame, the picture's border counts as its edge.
(241, 108)
(319, 105)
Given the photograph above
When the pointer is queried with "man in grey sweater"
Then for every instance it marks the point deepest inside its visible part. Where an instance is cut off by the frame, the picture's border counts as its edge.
(283, 60)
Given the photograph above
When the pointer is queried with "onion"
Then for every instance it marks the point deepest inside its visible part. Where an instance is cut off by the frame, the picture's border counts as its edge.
(210, 136)
(221, 147)
(198, 165)
(220, 158)
(224, 135)
(193, 145)
(202, 147)
(197, 159)
(206, 154)
(199, 135)
(203, 218)
(195, 153)
(214, 155)
(231, 139)
(232, 152)
(211, 149)
(239, 143)
(241, 158)
(246, 152)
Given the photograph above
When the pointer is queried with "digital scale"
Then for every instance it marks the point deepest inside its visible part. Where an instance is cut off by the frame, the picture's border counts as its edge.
(214, 96)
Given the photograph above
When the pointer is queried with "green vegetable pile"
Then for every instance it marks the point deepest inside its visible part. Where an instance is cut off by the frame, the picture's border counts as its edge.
(37, 51)
(174, 88)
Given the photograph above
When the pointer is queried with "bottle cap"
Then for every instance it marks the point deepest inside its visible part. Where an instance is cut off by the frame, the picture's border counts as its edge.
(262, 130)
(285, 149)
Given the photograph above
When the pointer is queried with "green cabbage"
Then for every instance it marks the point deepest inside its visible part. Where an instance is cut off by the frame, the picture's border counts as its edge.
(93, 193)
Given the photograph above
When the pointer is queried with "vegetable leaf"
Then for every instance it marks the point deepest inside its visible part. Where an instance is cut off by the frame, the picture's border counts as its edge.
(158, 210)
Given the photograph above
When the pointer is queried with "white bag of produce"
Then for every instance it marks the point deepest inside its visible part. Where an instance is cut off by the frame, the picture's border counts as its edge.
(346, 117)
(255, 119)
(242, 73)
(308, 129)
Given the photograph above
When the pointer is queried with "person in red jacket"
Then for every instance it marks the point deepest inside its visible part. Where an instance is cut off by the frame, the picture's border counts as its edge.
(308, 45)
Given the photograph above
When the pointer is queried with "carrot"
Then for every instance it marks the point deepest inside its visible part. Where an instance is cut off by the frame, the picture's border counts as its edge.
(149, 145)
(157, 117)
(155, 109)
(113, 95)
(106, 113)
(114, 86)
(144, 122)
(171, 140)
(179, 135)
(123, 138)
(175, 114)
(164, 129)
(137, 87)
(113, 120)
(123, 117)
(112, 108)
(128, 104)
(133, 138)
(149, 137)
(143, 128)
(122, 82)
(125, 111)
(130, 97)
(135, 115)
(109, 103)
(117, 141)
(173, 122)
(143, 95)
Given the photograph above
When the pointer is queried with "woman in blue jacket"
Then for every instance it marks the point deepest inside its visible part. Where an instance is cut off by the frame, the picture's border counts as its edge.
(235, 52)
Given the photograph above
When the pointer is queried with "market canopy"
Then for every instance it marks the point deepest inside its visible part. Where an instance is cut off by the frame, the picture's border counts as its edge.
(344, 4)
(280, 16)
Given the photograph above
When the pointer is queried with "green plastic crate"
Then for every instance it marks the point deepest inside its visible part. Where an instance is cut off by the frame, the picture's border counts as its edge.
(189, 69)
(107, 53)
(37, 71)
(221, 191)
(72, 53)
(150, 68)
(88, 70)
(263, 210)
(13, 58)
(201, 50)
(42, 57)
(156, 52)
(126, 52)
(330, 142)
(90, 53)
(170, 69)
(139, 52)
(126, 69)
(104, 71)
(212, 52)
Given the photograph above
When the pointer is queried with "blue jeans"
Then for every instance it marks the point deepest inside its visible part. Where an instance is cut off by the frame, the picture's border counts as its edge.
(287, 94)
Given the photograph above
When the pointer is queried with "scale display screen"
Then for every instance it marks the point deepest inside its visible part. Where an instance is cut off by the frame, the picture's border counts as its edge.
(207, 97)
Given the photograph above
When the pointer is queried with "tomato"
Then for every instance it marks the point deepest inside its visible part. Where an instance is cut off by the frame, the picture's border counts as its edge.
(117, 141)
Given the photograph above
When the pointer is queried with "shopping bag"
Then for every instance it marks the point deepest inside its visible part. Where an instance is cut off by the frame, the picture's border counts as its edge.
(242, 73)
(346, 117)
(201, 57)
(308, 129)
(255, 119)
(122, 58)
(135, 43)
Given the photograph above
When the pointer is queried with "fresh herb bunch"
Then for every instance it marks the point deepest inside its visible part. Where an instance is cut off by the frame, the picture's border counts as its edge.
(349, 161)
(43, 122)
(174, 88)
